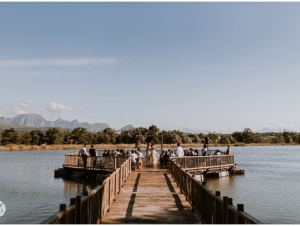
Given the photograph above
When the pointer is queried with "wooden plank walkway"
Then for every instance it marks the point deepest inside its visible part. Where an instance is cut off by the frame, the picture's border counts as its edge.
(150, 196)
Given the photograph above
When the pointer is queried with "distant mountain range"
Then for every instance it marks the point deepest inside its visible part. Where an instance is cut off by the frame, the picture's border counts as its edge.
(125, 128)
(31, 121)
(36, 120)
(277, 130)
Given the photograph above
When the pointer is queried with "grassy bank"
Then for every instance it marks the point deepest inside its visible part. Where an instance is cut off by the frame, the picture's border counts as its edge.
(13, 147)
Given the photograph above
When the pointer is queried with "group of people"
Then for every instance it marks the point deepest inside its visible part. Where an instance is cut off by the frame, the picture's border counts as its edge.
(136, 159)
(152, 157)
(190, 152)
(84, 155)
(195, 152)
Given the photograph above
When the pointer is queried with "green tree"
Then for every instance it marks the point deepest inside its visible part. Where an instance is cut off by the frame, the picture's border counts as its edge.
(10, 136)
(195, 138)
(153, 130)
(238, 136)
(224, 139)
(79, 135)
(213, 137)
(186, 139)
(110, 135)
(125, 137)
(54, 136)
(277, 139)
(172, 136)
(25, 138)
(37, 137)
(93, 137)
(247, 136)
(67, 137)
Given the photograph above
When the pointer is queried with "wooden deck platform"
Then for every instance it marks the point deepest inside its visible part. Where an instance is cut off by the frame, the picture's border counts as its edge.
(150, 196)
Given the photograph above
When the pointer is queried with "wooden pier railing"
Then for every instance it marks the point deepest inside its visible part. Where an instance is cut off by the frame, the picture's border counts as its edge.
(209, 205)
(91, 208)
(205, 162)
(103, 162)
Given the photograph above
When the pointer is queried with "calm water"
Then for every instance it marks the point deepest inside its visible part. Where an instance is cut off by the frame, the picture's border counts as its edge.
(268, 190)
(28, 188)
(270, 187)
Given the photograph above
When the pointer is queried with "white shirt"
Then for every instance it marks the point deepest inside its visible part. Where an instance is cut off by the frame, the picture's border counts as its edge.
(180, 152)
(83, 151)
(133, 157)
(203, 151)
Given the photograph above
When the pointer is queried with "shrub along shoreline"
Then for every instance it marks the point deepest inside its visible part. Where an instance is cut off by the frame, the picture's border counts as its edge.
(15, 147)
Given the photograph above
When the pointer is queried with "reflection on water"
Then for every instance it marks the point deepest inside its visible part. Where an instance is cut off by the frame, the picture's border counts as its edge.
(269, 185)
(268, 189)
(28, 187)
(78, 185)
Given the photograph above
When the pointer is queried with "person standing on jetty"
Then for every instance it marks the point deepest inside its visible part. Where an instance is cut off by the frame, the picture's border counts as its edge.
(204, 150)
(228, 151)
(180, 152)
(154, 157)
(148, 153)
(83, 153)
(133, 157)
(93, 158)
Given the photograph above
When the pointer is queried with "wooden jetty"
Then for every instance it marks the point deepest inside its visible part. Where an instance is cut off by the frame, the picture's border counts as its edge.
(154, 195)
(149, 196)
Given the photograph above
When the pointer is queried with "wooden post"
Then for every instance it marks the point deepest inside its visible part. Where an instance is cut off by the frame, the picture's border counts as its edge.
(225, 212)
(78, 209)
(63, 207)
(72, 201)
(240, 207)
(216, 215)
(193, 191)
(180, 180)
(230, 216)
(109, 185)
(162, 142)
(115, 163)
(230, 201)
(120, 178)
(202, 203)
(115, 193)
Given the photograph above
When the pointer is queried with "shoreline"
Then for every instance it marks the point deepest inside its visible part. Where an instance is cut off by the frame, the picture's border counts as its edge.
(115, 146)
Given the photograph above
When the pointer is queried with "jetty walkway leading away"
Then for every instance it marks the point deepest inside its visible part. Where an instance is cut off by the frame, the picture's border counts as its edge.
(152, 195)
(149, 196)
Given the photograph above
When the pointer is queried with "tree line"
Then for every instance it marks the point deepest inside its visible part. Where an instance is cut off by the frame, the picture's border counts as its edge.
(141, 135)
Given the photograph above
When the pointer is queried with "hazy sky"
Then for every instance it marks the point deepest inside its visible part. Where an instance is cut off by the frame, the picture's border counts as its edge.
(197, 66)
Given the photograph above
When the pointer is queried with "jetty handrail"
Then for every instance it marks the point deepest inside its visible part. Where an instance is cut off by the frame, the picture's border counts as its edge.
(189, 162)
(209, 205)
(91, 208)
(103, 162)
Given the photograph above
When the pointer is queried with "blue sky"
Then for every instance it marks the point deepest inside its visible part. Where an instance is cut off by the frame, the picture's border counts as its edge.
(189, 66)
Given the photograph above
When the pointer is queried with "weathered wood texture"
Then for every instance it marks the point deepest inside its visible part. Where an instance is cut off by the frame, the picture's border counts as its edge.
(91, 208)
(210, 206)
(150, 197)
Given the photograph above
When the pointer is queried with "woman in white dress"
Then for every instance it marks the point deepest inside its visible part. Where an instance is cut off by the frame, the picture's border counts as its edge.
(154, 155)
(148, 153)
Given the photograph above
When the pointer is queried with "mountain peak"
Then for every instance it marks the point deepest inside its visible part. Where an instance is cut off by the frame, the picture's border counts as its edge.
(125, 128)
(36, 120)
